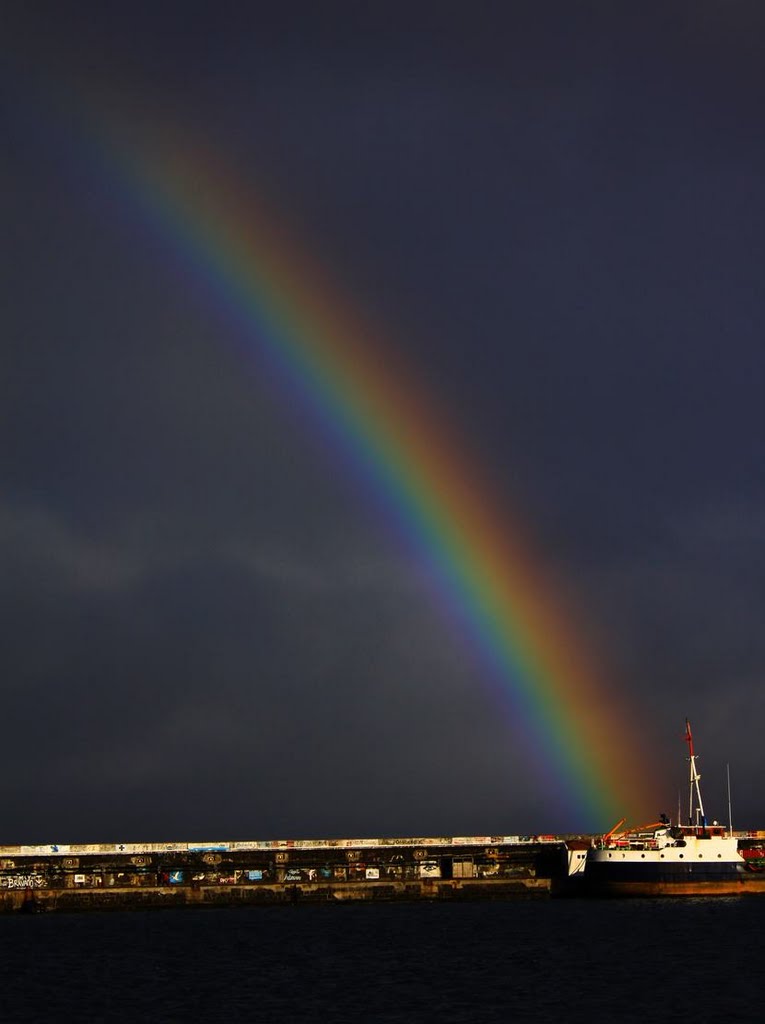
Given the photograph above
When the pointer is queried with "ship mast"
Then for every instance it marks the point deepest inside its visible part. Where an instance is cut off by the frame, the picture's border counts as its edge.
(694, 780)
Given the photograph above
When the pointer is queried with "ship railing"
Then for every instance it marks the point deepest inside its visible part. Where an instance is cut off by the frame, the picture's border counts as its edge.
(633, 843)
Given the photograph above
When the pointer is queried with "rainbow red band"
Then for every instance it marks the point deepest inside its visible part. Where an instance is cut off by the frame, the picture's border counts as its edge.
(477, 556)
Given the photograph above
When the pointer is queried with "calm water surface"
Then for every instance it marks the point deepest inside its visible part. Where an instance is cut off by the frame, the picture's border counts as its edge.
(474, 962)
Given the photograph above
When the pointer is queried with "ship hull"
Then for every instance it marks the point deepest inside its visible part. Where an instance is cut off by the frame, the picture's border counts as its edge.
(652, 873)
(646, 887)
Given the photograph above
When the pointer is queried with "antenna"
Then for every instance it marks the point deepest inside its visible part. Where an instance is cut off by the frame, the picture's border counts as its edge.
(730, 814)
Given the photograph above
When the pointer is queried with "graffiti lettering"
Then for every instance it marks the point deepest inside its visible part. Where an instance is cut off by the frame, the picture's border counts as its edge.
(33, 881)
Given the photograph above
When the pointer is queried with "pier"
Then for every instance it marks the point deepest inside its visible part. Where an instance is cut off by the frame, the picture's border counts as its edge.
(125, 876)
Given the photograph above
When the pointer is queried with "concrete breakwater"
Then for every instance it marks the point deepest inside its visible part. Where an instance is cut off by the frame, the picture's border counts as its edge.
(125, 876)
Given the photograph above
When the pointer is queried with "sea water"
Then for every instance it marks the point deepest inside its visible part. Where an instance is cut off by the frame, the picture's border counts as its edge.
(540, 960)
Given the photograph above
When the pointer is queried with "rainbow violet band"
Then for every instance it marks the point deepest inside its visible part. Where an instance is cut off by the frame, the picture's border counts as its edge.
(482, 568)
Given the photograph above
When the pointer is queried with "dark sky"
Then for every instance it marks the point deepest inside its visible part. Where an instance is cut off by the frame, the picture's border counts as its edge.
(556, 211)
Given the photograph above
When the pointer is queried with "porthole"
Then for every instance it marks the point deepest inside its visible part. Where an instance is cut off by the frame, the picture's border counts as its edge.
(681, 856)
(662, 856)
(642, 856)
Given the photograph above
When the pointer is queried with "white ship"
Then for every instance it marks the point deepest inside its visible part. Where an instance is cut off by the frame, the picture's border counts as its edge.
(693, 859)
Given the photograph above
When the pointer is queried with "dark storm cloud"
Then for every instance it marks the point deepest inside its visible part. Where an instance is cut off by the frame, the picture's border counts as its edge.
(558, 214)
(243, 682)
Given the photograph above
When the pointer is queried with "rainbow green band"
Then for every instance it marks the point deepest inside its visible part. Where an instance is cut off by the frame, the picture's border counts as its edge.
(478, 560)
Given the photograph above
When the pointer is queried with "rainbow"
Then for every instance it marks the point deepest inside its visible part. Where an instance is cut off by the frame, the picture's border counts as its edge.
(476, 556)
